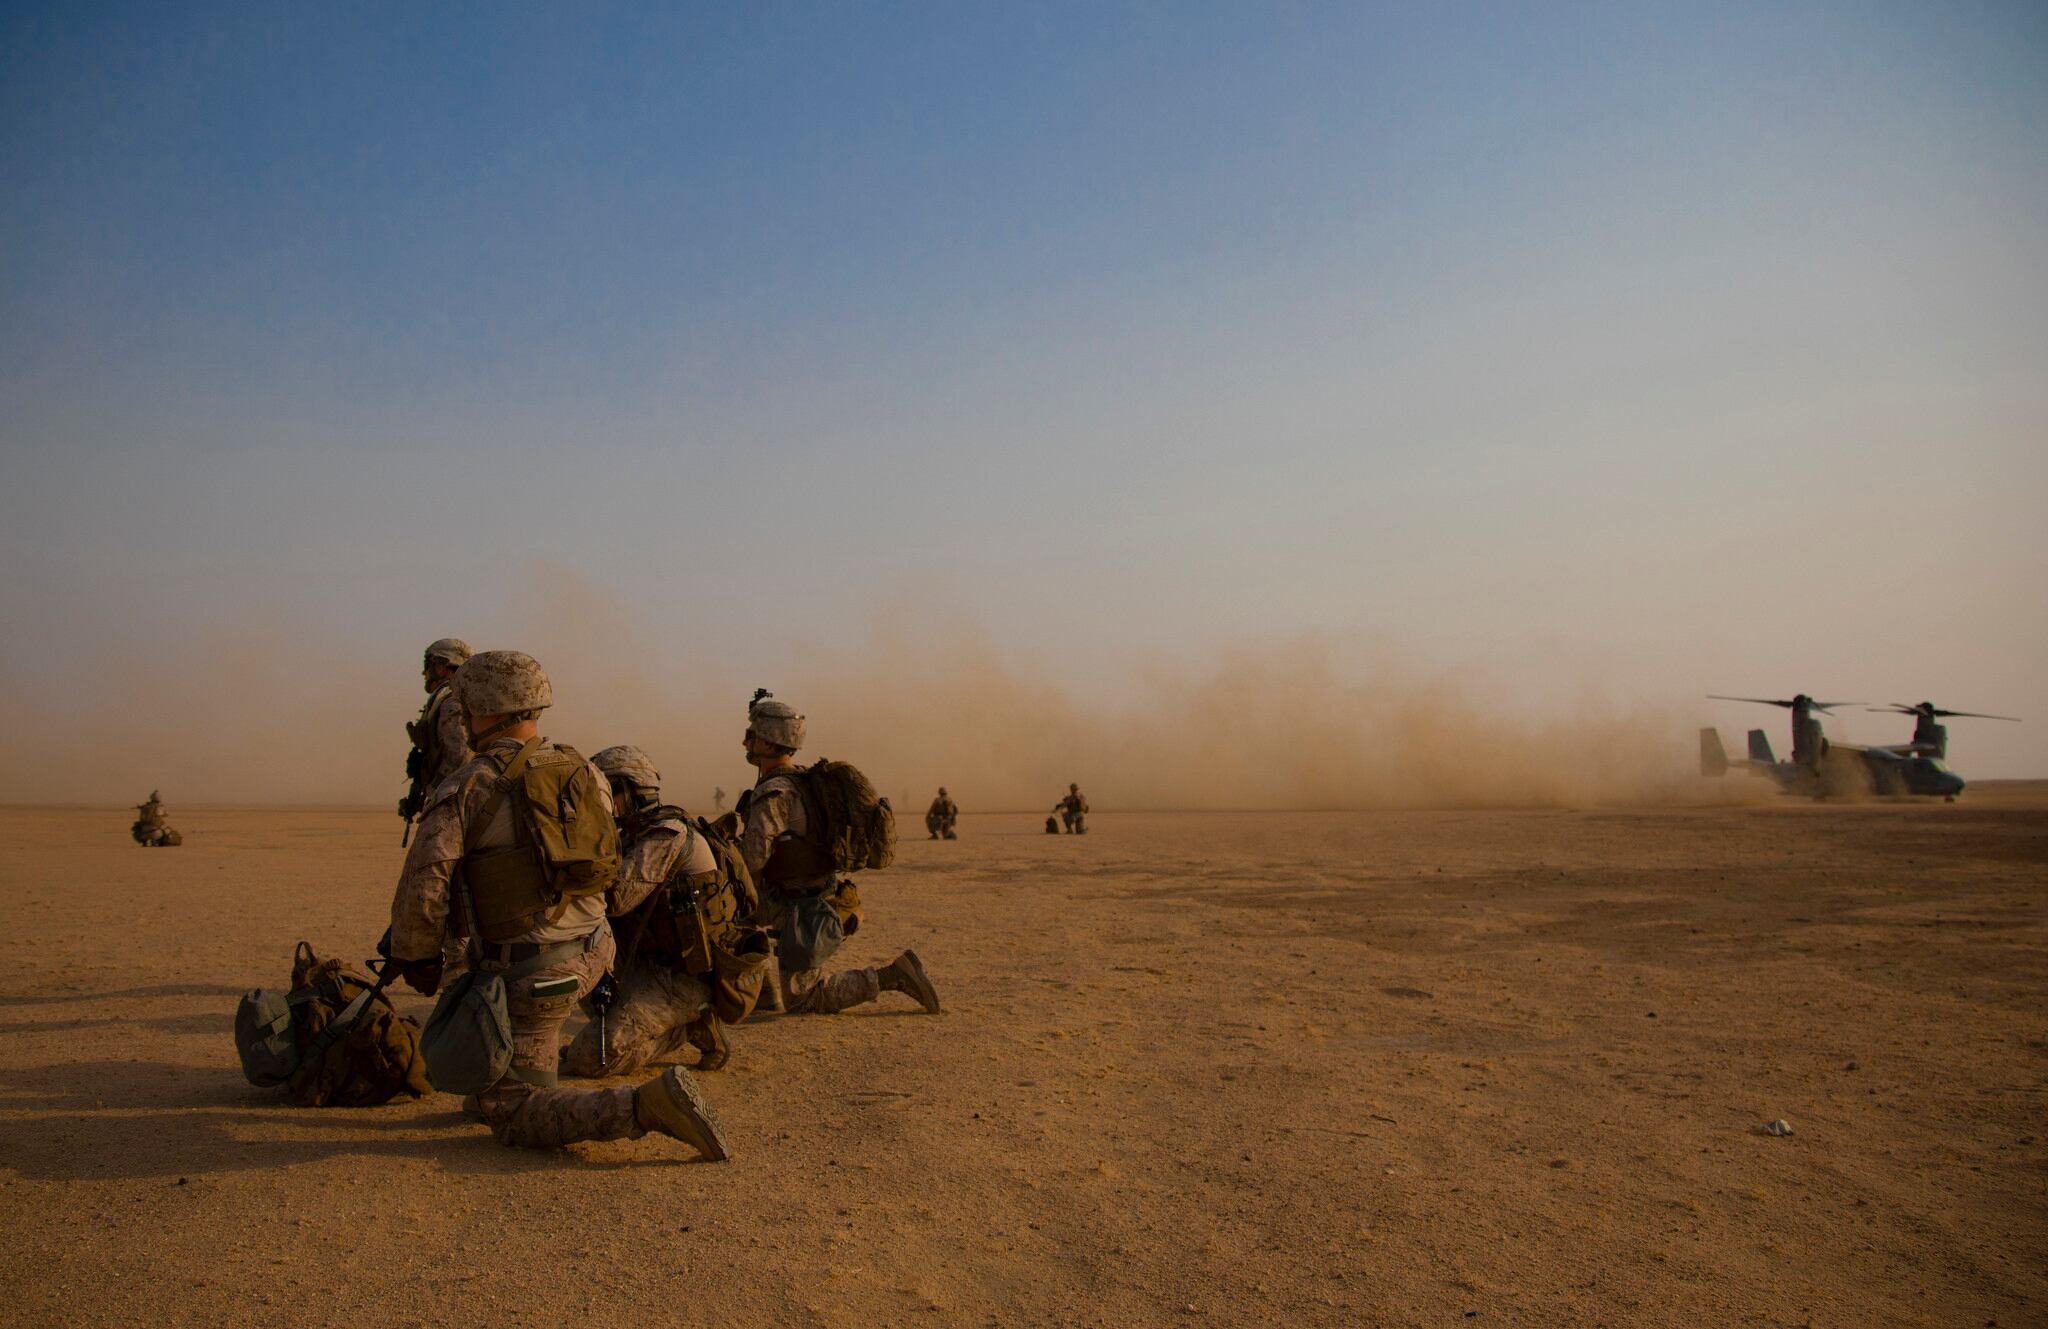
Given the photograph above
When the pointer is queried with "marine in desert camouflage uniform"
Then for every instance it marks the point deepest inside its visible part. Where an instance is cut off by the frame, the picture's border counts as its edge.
(152, 826)
(1073, 810)
(940, 816)
(660, 1005)
(440, 741)
(439, 732)
(503, 693)
(775, 816)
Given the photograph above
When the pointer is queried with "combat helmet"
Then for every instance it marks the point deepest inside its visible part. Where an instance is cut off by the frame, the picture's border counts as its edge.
(627, 763)
(774, 721)
(448, 650)
(503, 683)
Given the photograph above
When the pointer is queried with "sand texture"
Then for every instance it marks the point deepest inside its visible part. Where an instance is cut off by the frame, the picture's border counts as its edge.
(1400, 1068)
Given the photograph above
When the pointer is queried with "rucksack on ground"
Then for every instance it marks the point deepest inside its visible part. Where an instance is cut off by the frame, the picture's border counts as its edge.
(849, 822)
(333, 1040)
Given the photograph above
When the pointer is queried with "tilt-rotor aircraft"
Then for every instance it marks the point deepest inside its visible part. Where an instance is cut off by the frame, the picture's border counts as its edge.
(1820, 768)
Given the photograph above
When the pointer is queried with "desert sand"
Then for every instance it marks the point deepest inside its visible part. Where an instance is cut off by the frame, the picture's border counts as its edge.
(1399, 1068)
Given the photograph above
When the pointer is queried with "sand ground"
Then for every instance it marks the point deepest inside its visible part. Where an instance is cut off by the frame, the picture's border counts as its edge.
(1327, 1069)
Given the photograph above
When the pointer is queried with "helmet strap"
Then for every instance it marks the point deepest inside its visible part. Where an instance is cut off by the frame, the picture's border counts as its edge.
(477, 741)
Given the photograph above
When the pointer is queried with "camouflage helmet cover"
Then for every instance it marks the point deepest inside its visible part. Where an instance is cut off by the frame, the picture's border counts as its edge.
(450, 650)
(628, 763)
(501, 682)
(778, 722)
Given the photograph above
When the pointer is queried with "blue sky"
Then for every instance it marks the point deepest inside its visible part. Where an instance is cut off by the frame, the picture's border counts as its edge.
(1637, 348)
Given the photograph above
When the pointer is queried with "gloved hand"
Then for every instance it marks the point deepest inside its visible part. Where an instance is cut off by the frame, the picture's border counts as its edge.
(422, 976)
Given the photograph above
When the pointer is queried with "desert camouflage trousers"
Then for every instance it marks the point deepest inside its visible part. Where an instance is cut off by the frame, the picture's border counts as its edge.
(533, 1112)
(647, 1021)
(815, 992)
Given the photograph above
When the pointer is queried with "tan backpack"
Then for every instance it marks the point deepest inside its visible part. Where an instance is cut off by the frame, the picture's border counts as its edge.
(334, 1040)
(565, 844)
(849, 824)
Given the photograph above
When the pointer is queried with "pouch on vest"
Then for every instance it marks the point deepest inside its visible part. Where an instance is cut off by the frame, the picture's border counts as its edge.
(468, 1038)
(809, 932)
(702, 910)
(737, 973)
(845, 902)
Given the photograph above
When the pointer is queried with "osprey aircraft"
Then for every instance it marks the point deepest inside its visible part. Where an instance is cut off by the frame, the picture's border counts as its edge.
(1819, 767)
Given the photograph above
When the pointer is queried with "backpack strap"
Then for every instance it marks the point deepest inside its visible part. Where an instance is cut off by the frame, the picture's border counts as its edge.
(349, 1016)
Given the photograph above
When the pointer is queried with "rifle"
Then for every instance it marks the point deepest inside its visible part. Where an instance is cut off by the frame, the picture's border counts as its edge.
(415, 772)
(602, 993)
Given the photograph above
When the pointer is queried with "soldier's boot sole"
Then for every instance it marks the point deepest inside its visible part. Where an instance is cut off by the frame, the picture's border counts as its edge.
(671, 1104)
(906, 974)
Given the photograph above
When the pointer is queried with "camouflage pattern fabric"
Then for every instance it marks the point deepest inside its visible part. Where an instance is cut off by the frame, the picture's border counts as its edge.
(815, 991)
(776, 808)
(444, 719)
(518, 1111)
(648, 1021)
(421, 910)
(532, 1116)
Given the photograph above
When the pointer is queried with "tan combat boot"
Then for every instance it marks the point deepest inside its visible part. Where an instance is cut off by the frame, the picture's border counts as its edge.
(707, 1035)
(670, 1103)
(905, 974)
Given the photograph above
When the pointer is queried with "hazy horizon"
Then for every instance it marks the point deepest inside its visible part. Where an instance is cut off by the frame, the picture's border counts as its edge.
(1184, 402)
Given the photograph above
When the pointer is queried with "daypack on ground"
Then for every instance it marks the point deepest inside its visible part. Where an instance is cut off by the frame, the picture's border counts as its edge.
(331, 1041)
(848, 821)
(565, 845)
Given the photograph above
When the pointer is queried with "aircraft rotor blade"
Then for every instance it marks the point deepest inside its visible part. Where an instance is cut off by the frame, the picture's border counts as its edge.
(1761, 701)
(1830, 705)
(1939, 714)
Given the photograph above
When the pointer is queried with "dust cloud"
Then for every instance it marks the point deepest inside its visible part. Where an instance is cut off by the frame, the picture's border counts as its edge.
(1274, 728)
(916, 703)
